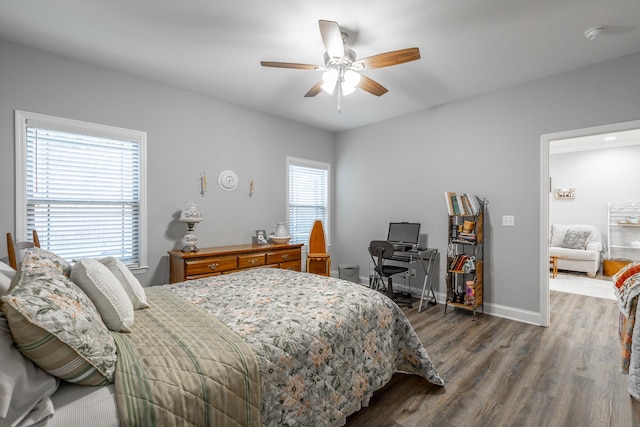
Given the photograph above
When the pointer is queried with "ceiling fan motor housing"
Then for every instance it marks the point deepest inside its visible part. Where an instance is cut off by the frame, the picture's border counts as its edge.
(347, 60)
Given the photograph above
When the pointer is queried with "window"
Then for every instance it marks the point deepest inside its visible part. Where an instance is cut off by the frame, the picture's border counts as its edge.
(308, 197)
(82, 187)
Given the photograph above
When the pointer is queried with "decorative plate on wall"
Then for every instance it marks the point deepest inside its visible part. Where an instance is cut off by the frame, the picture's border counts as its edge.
(228, 180)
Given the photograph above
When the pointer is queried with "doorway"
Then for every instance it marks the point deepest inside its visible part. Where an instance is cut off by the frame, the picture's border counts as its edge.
(579, 139)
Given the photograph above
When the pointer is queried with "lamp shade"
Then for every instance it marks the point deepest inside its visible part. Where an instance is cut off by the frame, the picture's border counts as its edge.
(191, 214)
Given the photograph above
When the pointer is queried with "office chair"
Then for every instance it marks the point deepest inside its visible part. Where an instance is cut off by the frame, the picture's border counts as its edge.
(318, 259)
(14, 249)
(381, 250)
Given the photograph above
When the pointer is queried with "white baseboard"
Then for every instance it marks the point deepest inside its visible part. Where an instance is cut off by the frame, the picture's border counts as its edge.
(498, 310)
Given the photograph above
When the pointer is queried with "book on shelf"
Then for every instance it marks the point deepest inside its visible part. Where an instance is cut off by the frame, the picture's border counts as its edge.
(447, 198)
(465, 204)
(469, 237)
(458, 262)
(454, 202)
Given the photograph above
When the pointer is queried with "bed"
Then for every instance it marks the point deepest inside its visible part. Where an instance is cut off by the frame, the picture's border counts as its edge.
(258, 347)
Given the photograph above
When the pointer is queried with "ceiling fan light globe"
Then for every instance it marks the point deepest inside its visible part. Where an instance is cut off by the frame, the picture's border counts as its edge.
(346, 89)
(351, 78)
(329, 78)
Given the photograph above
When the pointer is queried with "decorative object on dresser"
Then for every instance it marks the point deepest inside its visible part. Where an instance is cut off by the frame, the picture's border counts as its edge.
(261, 237)
(465, 252)
(280, 234)
(190, 216)
(228, 259)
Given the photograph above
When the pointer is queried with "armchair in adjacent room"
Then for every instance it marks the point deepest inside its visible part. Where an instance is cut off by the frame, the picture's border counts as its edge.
(577, 248)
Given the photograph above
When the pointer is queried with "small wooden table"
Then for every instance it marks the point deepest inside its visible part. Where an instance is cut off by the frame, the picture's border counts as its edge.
(553, 264)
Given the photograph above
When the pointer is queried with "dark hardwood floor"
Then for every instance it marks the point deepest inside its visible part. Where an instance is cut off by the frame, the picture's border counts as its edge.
(500, 372)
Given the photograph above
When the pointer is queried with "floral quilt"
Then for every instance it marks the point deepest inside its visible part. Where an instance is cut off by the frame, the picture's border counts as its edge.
(324, 345)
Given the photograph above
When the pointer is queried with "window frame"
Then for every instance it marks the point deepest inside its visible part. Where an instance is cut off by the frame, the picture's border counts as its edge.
(313, 164)
(79, 127)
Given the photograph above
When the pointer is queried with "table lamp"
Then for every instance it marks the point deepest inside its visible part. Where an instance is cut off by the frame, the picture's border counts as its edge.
(190, 216)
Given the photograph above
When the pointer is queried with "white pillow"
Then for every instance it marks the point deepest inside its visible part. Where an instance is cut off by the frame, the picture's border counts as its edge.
(106, 292)
(558, 231)
(6, 274)
(131, 285)
(24, 387)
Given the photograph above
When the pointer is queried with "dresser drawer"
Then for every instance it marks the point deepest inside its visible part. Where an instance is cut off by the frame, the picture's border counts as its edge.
(283, 256)
(210, 265)
(254, 260)
(292, 265)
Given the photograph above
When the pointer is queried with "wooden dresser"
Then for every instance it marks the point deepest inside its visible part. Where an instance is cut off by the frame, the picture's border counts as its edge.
(227, 259)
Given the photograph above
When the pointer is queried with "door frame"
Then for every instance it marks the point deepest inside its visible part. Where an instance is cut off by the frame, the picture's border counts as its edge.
(545, 191)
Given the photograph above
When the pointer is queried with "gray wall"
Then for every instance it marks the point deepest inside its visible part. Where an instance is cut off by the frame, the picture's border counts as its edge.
(186, 134)
(599, 177)
(489, 145)
(394, 170)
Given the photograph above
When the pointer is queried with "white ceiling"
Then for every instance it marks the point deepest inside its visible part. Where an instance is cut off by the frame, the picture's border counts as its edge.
(215, 47)
(596, 141)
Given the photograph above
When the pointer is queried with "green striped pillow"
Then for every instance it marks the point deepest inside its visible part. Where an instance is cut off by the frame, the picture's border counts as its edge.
(57, 326)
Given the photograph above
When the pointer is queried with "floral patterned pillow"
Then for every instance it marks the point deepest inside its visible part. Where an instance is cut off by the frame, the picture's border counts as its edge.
(57, 260)
(576, 239)
(69, 339)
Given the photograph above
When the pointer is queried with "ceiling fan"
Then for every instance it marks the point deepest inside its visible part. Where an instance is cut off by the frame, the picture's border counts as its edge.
(342, 69)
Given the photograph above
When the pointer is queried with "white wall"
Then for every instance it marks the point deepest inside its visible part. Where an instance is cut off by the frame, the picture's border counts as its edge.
(489, 145)
(599, 177)
(186, 134)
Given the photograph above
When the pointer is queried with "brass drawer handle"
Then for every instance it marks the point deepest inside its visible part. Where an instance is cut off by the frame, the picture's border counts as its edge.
(213, 266)
(284, 256)
(253, 261)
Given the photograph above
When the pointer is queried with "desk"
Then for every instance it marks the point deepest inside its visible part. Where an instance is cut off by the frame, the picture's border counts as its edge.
(427, 258)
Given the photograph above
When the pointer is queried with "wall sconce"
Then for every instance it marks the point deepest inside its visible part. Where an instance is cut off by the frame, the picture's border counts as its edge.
(203, 183)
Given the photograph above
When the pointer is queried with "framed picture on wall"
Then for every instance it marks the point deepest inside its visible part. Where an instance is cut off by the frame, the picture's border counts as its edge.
(564, 193)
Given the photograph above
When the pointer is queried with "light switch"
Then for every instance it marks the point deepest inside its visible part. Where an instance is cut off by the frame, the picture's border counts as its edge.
(508, 220)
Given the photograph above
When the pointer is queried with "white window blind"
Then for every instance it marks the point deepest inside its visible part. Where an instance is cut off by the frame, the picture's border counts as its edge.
(83, 191)
(308, 198)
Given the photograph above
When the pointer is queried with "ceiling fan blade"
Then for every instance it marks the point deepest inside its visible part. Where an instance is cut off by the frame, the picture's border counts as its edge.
(390, 58)
(316, 89)
(332, 38)
(289, 65)
(371, 86)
